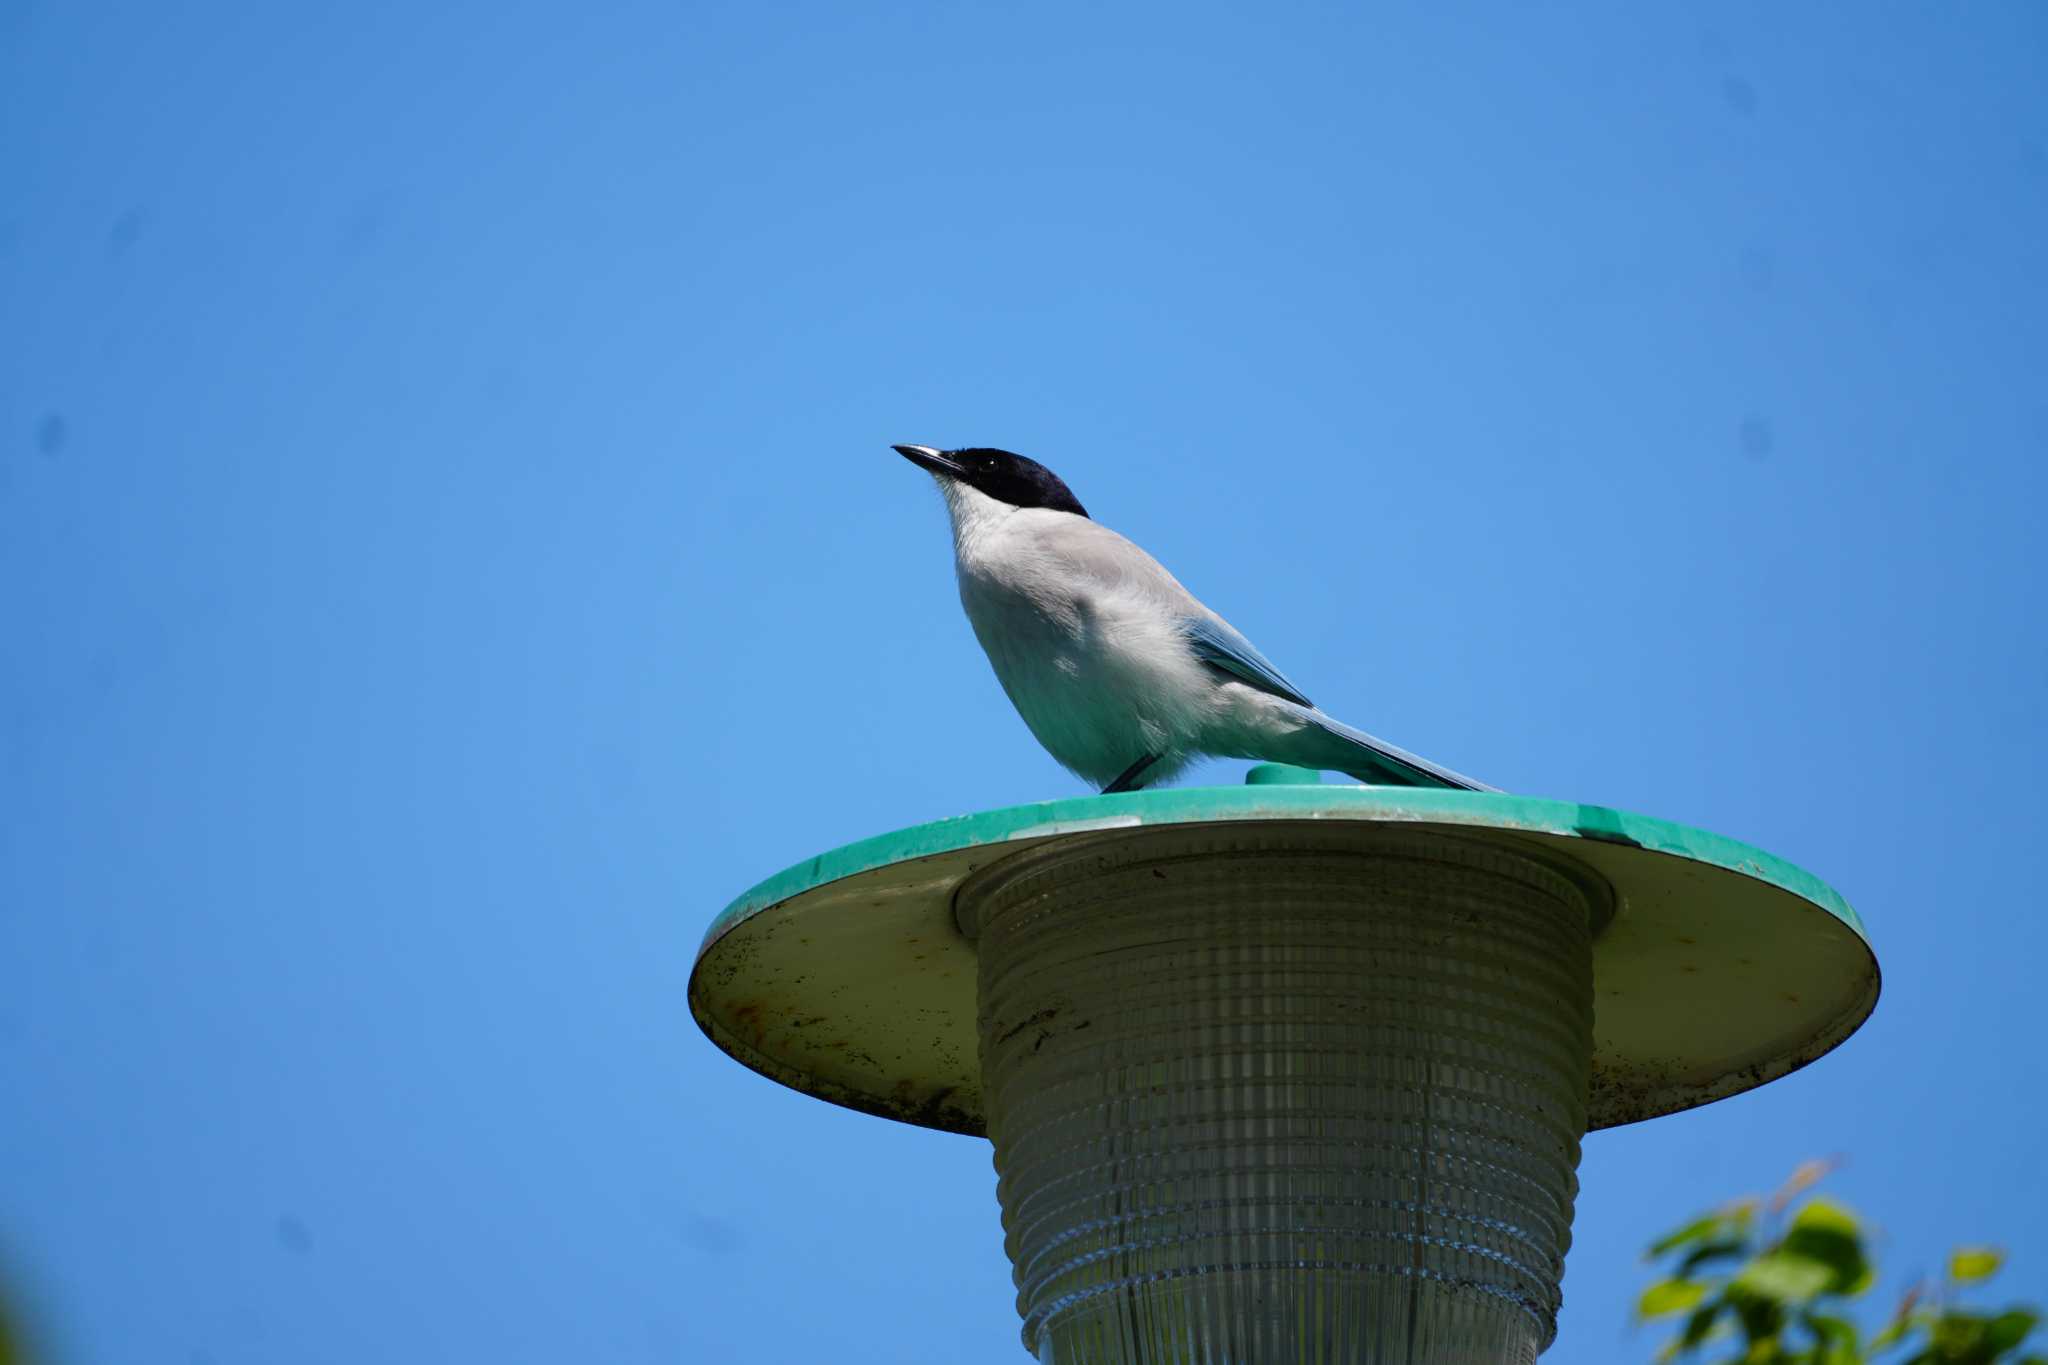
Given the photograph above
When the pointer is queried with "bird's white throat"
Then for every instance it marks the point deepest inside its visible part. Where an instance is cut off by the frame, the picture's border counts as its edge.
(975, 514)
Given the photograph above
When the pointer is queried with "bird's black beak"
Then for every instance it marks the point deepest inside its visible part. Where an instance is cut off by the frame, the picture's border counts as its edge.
(937, 461)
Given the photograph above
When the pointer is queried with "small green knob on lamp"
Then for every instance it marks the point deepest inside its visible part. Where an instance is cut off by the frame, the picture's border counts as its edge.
(1282, 775)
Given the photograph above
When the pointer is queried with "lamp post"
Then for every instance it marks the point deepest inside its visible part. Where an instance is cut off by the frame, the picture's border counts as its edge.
(1285, 1072)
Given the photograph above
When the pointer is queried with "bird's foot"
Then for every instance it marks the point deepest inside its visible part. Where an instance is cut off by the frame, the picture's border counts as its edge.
(1127, 780)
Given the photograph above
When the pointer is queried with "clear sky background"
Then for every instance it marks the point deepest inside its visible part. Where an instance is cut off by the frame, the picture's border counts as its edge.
(449, 547)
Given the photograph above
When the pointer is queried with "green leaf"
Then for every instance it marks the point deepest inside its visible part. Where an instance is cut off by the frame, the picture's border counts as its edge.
(1841, 1353)
(1761, 1352)
(1785, 1276)
(1831, 1330)
(1669, 1296)
(1959, 1337)
(1835, 1340)
(1698, 1327)
(2009, 1329)
(1699, 1229)
(1974, 1263)
(1827, 1233)
(1724, 1249)
(1818, 1212)
(1762, 1319)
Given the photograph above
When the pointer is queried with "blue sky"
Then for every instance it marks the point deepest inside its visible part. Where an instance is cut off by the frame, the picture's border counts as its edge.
(449, 546)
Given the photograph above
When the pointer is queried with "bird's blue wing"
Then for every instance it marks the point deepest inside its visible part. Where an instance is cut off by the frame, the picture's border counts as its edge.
(1216, 643)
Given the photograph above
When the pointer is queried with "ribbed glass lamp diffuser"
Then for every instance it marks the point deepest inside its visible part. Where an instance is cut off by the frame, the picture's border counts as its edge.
(1274, 1095)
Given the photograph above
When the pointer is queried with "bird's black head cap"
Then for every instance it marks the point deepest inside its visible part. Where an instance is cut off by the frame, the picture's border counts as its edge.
(1003, 475)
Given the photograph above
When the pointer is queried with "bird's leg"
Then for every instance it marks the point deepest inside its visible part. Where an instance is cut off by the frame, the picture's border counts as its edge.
(1127, 780)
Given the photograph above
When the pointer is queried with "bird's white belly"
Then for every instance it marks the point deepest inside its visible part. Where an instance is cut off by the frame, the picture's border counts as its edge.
(1100, 684)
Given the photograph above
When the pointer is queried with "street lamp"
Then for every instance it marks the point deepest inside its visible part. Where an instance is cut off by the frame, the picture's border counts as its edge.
(1285, 1072)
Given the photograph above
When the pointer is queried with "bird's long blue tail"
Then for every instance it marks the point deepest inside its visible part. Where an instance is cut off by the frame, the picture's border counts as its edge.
(1336, 745)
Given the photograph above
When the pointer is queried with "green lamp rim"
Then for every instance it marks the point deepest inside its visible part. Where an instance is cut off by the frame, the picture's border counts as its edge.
(1259, 801)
